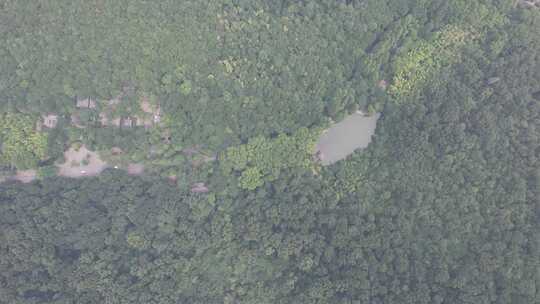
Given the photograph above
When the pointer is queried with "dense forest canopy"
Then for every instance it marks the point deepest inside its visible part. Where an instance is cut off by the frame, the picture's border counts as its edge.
(442, 207)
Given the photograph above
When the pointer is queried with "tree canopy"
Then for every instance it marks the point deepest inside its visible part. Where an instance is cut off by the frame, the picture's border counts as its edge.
(442, 207)
(21, 146)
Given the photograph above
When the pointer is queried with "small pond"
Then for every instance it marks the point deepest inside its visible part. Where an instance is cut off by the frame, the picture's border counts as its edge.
(344, 137)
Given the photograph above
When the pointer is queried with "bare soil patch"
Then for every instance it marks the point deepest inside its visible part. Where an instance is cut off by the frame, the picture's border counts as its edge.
(135, 169)
(25, 176)
(81, 162)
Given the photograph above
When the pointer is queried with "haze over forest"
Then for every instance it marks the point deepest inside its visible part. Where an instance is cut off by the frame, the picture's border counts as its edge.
(234, 151)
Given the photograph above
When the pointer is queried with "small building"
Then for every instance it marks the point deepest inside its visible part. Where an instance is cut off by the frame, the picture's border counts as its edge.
(87, 103)
(50, 120)
(128, 122)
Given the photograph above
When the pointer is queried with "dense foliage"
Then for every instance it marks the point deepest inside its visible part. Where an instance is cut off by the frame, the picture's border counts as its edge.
(442, 207)
(416, 67)
(263, 158)
(21, 146)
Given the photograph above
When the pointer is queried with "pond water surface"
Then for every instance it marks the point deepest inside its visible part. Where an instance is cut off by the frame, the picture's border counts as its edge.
(344, 137)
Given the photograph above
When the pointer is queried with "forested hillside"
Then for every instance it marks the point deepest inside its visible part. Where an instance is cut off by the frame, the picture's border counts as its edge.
(442, 207)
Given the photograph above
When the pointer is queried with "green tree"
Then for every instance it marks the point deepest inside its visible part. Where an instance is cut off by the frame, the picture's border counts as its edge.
(21, 145)
(250, 179)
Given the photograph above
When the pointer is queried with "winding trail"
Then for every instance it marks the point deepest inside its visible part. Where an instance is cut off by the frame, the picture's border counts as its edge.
(25, 176)
(78, 163)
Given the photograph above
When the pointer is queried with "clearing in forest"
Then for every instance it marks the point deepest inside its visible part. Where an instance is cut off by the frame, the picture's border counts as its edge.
(81, 162)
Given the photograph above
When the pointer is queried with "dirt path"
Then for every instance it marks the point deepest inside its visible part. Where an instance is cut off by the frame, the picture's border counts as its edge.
(135, 169)
(79, 163)
(25, 176)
